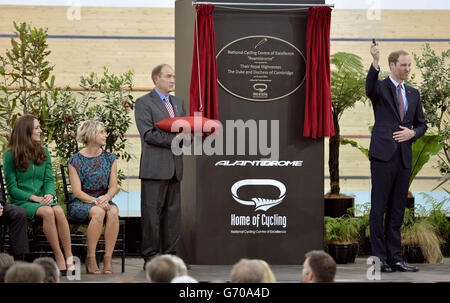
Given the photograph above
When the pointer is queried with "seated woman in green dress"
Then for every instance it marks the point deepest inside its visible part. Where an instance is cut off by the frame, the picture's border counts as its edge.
(28, 174)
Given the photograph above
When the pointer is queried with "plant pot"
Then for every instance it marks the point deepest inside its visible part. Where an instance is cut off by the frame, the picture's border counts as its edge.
(337, 206)
(365, 248)
(410, 201)
(413, 254)
(354, 250)
(445, 249)
(341, 253)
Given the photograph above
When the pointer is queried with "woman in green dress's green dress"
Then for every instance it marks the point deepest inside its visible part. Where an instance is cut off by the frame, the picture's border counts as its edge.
(28, 174)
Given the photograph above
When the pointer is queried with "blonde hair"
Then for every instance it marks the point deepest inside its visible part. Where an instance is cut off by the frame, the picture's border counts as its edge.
(269, 277)
(88, 130)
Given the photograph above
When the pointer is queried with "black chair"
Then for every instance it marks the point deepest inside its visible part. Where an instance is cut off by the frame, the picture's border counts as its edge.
(79, 239)
(3, 241)
(39, 245)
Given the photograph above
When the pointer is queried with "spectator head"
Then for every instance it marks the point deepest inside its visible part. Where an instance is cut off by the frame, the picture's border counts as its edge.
(269, 277)
(319, 267)
(50, 268)
(184, 279)
(181, 266)
(161, 269)
(22, 272)
(247, 271)
(3, 270)
(6, 259)
(88, 131)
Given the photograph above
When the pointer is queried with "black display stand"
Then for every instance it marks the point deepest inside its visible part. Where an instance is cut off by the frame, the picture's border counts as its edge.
(266, 209)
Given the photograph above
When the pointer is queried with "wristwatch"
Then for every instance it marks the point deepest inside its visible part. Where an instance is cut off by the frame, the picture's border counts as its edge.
(94, 201)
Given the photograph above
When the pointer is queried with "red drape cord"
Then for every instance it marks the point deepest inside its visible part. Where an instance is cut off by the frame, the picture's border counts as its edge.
(318, 114)
(203, 93)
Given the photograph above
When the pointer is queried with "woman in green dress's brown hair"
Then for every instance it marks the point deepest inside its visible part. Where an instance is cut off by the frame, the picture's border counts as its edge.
(29, 180)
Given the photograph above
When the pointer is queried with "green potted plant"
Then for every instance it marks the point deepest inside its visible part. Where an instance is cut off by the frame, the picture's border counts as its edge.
(438, 216)
(341, 237)
(420, 240)
(362, 212)
(347, 88)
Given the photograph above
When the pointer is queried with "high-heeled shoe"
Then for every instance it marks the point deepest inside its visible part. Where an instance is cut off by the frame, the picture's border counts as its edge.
(70, 266)
(91, 266)
(107, 265)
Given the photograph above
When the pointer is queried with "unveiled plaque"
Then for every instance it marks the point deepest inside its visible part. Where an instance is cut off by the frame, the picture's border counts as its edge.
(261, 68)
(254, 206)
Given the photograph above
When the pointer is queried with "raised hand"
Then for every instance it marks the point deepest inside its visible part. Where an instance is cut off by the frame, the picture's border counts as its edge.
(375, 52)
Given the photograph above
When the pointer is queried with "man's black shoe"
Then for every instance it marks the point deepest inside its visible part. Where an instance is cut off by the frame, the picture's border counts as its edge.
(146, 260)
(402, 266)
(384, 267)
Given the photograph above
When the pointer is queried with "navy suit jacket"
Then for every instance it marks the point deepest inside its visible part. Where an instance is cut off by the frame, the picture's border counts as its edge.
(387, 119)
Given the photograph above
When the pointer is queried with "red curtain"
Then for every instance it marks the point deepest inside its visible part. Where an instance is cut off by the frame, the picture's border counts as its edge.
(203, 94)
(318, 111)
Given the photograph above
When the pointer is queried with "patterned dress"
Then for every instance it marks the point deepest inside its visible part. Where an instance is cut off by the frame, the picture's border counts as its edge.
(94, 175)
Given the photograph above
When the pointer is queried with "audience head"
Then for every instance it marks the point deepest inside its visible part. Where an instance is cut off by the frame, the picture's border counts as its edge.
(184, 279)
(247, 271)
(25, 142)
(161, 269)
(269, 277)
(91, 131)
(3, 270)
(22, 272)
(50, 268)
(6, 259)
(319, 267)
(181, 266)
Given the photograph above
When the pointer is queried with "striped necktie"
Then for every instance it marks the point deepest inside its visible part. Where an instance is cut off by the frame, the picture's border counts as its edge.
(169, 107)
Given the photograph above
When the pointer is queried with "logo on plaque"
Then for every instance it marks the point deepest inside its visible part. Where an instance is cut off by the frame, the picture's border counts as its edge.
(259, 203)
(261, 68)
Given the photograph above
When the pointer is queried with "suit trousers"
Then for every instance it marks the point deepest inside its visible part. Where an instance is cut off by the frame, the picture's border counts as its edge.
(160, 216)
(388, 197)
(16, 218)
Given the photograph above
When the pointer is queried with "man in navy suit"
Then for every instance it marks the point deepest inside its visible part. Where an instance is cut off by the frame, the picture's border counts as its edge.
(399, 121)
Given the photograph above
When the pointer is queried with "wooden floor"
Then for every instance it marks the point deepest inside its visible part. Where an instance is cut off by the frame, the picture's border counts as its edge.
(137, 39)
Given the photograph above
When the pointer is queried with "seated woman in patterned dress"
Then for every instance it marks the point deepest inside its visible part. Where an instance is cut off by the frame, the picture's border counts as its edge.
(29, 179)
(93, 176)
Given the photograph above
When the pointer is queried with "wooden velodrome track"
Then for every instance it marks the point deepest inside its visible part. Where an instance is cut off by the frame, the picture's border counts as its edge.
(137, 39)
